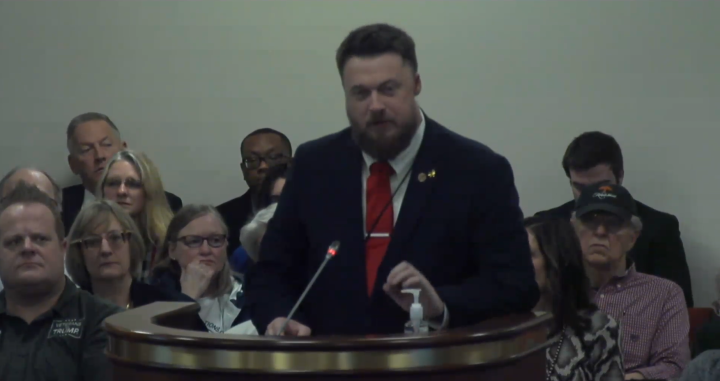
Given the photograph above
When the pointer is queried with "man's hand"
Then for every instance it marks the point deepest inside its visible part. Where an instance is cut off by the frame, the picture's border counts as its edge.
(405, 276)
(293, 328)
(634, 376)
(195, 279)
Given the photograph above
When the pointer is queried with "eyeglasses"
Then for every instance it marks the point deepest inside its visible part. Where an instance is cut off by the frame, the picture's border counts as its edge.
(195, 241)
(114, 238)
(270, 160)
(612, 223)
(130, 183)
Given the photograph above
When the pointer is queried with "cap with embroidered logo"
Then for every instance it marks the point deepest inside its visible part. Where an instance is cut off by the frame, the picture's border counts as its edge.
(608, 198)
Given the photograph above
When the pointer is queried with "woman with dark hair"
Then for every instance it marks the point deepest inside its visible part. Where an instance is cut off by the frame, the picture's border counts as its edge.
(587, 347)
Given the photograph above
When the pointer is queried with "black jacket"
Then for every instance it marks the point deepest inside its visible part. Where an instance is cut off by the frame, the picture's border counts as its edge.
(460, 225)
(74, 196)
(658, 251)
(236, 213)
(142, 294)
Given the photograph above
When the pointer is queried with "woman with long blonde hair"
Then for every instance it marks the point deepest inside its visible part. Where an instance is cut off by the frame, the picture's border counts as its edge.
(132, 180)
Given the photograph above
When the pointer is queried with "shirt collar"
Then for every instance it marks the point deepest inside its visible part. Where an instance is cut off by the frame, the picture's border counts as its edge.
(88, 197)
(403, 161)
(67, 296)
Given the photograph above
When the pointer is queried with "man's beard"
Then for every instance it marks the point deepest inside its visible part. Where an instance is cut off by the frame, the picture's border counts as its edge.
(380, 146)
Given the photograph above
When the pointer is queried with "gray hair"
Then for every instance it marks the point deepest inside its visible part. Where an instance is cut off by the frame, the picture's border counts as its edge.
(57, 191)
(84, 118)
(635, 221)
(250, 234)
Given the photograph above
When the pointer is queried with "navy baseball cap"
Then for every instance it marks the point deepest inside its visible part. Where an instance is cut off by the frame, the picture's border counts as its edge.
(607, 198)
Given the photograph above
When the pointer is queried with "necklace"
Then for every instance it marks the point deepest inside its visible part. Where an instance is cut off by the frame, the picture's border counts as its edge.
(551, 368)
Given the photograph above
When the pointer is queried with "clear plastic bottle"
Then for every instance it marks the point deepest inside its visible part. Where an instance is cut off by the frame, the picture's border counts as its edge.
(416, 325)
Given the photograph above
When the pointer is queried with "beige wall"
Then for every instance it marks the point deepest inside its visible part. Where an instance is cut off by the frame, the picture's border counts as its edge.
(186, 81)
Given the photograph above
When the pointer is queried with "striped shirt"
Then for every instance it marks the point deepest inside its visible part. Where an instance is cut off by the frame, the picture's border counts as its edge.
(654, 323)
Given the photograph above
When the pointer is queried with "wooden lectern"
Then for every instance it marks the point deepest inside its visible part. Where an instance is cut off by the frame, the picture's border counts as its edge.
(156, 343)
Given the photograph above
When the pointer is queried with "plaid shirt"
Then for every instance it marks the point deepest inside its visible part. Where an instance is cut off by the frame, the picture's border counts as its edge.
(654, 323)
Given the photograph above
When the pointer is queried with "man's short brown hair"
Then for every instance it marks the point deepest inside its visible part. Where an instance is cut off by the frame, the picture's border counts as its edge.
(28, 194)
(374, 40)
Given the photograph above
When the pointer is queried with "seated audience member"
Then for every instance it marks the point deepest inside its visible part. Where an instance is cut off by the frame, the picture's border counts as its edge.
(651, 310)
(589, 344)
(194, 261)
(51, 330)
(33, 177)
(92, 139)
(705, 367)
(133, 182)
(595, 157)
(269, 193)
(260, 150)
(272, 185)
(105, 257)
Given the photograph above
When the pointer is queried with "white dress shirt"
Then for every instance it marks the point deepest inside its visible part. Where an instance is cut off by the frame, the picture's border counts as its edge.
(401, 164)
(88, 197)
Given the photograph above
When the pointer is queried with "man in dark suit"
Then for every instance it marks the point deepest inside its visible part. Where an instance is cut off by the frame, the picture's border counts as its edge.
(595, 157)
(92, 140)
(260, 150)
(453, 227)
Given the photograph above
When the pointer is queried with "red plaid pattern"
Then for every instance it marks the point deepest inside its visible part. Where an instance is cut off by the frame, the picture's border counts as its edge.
(653, 320)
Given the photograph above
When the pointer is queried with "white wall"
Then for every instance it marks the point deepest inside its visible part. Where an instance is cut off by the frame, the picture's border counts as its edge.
(186, 81)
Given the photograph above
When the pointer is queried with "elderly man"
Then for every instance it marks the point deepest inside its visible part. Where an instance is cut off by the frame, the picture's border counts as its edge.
(31, 176)
(50, 328)
(651, 310)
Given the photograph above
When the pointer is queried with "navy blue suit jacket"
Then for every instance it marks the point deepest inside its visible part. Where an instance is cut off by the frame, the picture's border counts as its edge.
(461, 228)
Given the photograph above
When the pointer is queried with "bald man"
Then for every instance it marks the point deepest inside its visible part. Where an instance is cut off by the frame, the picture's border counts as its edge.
(31, 176)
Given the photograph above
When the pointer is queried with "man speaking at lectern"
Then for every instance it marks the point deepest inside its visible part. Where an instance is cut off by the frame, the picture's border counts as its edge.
(413, 205)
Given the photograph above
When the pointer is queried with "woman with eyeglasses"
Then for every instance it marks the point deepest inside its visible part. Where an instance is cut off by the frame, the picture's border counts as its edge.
(132, 180)
(193, 260)
(105, 257)
(588, 345)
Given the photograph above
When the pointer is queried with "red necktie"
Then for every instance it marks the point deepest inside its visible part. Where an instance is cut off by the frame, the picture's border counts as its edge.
(378, 197)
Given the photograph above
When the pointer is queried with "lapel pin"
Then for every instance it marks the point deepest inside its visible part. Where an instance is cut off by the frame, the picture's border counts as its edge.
(422, 177)
(431, 174)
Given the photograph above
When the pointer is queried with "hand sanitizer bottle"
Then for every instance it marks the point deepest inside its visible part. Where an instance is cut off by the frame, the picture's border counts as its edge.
(417, 324)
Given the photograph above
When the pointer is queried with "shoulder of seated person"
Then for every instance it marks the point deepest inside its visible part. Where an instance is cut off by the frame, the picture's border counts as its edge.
(663, 286)
(651, 215)
(97, 308)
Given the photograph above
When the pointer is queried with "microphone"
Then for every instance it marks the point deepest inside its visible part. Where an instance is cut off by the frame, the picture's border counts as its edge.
(331, 251)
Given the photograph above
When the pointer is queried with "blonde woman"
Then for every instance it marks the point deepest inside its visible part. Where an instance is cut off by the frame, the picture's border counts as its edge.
(105, 257)
(193, 260)
(133, 182)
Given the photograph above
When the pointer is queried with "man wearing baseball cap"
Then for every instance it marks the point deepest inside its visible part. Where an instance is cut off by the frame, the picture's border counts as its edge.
(651, 310)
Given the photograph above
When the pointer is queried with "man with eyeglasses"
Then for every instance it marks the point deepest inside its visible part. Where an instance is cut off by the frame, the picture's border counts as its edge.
(49, 329)
(92, 140)
(651, 310)
(595, 157)
(32, 177)
(260, 150)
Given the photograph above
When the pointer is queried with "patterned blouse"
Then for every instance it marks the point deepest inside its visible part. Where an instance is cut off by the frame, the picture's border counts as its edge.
(596, 356)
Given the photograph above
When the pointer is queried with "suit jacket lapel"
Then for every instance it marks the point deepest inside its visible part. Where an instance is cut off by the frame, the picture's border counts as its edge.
(420, 186)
